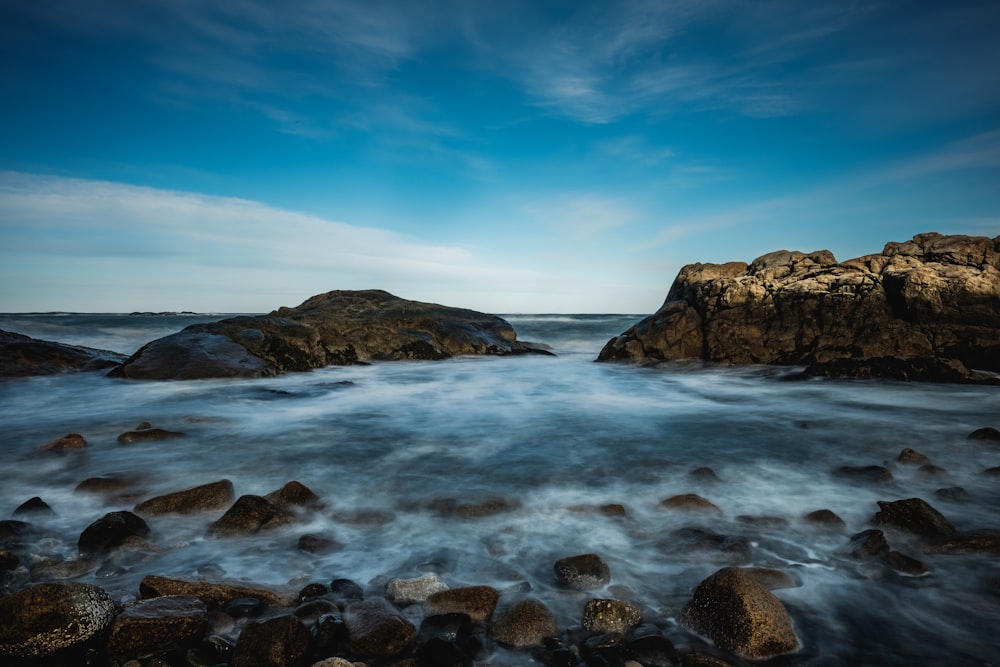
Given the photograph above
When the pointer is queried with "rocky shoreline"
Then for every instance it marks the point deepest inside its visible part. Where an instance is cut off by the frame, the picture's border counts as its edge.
(52, 616)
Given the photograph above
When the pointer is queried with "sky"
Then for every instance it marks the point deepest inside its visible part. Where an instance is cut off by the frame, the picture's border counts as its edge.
(512, 157)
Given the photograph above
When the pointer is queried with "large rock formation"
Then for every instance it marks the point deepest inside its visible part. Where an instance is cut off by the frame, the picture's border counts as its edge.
(22, 356)
(336, 328)
(935, 299)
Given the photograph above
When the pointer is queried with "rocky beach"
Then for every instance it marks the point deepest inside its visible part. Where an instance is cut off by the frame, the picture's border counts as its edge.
(433, 490)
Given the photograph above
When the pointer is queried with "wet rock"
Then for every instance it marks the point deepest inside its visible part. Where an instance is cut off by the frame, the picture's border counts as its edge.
(12, 528)
(23, 356)
(450, 507)
(763, 521)
(34, 507)
(904, 564)
(906, 369)
(690, 502)
(157, 626)
(650, 648)
(912, 456)
(864, 474)
(336, 662)
(447, 640)
(8, 560)
(956, 493)
(921, 309)
(345, 590)
(608, 509)
(740, 616)
(311, 592)
(67, 442)
(244, 607)
(110, 531)
(212, 496)
(913, 515)
(983, 541)
(601, 616)
(52, 617)
(336, 328)
(213, 594)
(868, 544)
(408, 591)
(703, 660)
(772, 579)
(478, 602)
(294, 494)
(931, 470)
(824, 518)
(704, 474)
(527, 624)
(992, 472)
(147, 435)
(248, 515)
(375, 628)
(282, 641)
(329, 633)
(582, 573)
(105, 485)
(702, 543)
(986, 433)
(318, 544)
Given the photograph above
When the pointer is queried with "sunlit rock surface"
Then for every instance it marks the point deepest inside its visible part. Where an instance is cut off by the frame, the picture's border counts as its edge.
(933, 298)
(336, 328)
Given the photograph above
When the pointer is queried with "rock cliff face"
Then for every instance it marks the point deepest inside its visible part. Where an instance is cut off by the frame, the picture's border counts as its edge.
(21, 356)
(336, 328)
(933, 298)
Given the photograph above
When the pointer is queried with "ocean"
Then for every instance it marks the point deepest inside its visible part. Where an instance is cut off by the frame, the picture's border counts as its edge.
(549, 443)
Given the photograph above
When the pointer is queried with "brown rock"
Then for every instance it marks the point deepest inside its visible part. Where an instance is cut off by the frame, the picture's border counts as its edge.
(377, 629)
(911, 456)
(935, 299)
(147, 435)
(772, 579)
(418, 589)
(105, 485)
(282, 641)
(157, 626)
(982, 541)
(213, 496)
(740, 616)
(51, 617)
(869, 544)
(913, 515)
(905, 564)
(477, 602)
(110, 531)
(68, 441)
(318, 544)
(825, 518)
(294, 494)
(248, 515)
(525, 625)
(602, 616)
(583, 572)
(212, 593)
(690, 502)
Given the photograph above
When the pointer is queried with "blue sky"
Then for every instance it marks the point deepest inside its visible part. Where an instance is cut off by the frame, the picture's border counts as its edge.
(532, 156)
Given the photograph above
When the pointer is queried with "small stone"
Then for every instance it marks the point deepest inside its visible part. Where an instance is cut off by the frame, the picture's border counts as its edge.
(825, 518)
(583, 572)
(602, 616)
(912, 456)
(690, 502)
(68, 441)
(408, 591)
(526, 624)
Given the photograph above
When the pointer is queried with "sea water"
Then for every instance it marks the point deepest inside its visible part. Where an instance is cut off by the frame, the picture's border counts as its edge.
(550, 441)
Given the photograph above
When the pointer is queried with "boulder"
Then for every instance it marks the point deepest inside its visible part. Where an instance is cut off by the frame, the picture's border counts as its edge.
(690, 502)
(408, 591)
(985, 433)
(213, 593)
(935, 299)
(22, 356)
(148, 434)
(156, 626)
(583, 572)
(282, 641)
(248, 515)
(740, 615)
(336, 328)
(294, 494)
(377, 629)
(68, 441)
(824, 518)
(110, 531)
(913, 515)
(527, 624)
(602, 616)
(477, 602)
(212, 496)
(52, 617)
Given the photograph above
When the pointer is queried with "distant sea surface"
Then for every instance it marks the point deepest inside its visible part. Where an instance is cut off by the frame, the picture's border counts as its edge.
(387, 446)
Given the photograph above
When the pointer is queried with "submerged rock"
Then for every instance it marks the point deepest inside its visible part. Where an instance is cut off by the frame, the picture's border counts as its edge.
(68, 441)
(212, 496)
(336, 328)
(212, 593)
(23, 356)
(913, 515)
(282, 641)
(248, 515)
(52, 617)
(741, 616)
(926, 309)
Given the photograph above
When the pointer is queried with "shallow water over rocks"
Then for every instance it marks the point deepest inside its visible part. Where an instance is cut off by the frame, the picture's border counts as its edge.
(487, 471)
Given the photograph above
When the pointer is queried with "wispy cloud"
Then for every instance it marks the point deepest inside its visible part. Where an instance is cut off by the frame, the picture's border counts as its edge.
(581, 216)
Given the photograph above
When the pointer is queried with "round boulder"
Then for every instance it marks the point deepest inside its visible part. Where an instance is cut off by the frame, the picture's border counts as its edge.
(526, 624)
(50, 617)
(110, 531)
(733, 610)
(583, 572)
(601, 616)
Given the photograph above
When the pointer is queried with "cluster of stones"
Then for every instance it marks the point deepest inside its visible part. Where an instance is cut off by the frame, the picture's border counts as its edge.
(926, 309)
(421, 621)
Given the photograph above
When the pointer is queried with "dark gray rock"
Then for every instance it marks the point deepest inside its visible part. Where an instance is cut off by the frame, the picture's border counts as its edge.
(985, 433)
(690, 502)
(336, 328)
(213, 593)
(377, 629)
(22, 356)
(869, 544)
(913, 515)
(935, 299)
(110, 531)
(52, 617)
(282, 641)
(248, 515)
(583, 572)
(157, 626)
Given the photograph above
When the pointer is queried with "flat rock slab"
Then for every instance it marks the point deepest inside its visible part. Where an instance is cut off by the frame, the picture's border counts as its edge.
(23, 356)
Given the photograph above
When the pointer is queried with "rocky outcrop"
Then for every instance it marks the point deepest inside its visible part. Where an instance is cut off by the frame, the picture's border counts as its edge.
(22, 356)
(935, 298)
(336, 328)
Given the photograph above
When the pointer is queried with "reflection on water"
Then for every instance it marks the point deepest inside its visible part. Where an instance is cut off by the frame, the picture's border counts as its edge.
(388, 446)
